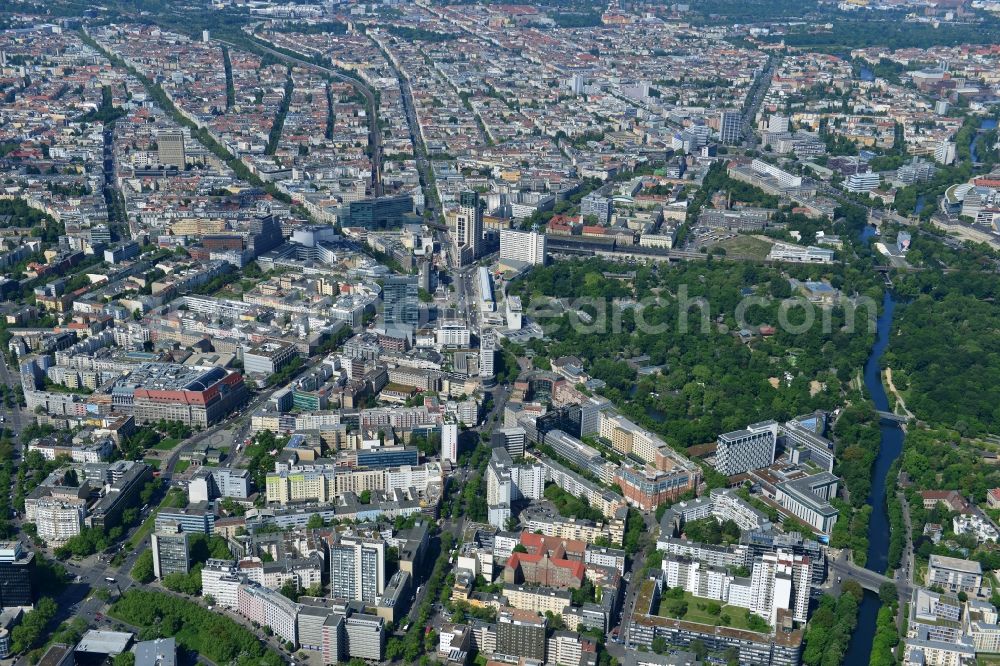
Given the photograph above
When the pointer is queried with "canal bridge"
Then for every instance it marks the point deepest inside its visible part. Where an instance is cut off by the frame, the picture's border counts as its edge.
(890, 416)
(867, 578)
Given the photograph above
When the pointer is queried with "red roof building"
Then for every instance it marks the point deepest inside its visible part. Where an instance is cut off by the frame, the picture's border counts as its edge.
(550, 561)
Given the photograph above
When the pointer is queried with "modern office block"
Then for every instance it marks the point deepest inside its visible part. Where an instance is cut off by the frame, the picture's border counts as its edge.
(955, 575)
(744, 450)
(400, 302)
(511, 439)
(17, 569)
(862, 182)
(730, 127)
(365, 636)
(468, 227)
(170, 552)
(194, 518)
(808, 498)
(170, 148)
(382, 212)
(597, 205)
(268, 358)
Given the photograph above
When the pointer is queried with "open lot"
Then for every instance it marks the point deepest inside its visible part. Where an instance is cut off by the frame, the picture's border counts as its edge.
(754, 247)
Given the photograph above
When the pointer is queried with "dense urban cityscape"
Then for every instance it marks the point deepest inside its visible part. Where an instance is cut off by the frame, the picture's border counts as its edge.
(458, 333)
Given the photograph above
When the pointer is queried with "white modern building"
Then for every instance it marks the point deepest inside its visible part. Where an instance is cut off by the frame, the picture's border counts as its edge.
(269, 608)
(515, 313)
(449, 442)
(954, 575)
(487, 354)
(58, 519)
(527, 247)
(452, 333)
(862, 182)
(357, 568)
(507, 482)
(780, 580)
(784, 178)
(220, 580)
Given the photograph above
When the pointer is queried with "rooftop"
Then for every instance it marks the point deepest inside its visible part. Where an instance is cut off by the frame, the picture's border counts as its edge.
(955, 564)
(104, 642)
(159, 652)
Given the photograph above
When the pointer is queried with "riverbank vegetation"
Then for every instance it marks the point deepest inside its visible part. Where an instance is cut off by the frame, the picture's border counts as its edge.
(831, 626)
(886, 633)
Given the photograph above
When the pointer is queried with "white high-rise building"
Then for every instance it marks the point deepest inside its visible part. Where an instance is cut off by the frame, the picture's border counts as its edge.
(506, 482)
(529, 480)
(944, 152)
(500, 489)
(780, 580)
(220, 580)
(487, 354)
(515, 313)
(449, 442)
(524, 246)
(777, 123)
(357, 568)
(700, 579)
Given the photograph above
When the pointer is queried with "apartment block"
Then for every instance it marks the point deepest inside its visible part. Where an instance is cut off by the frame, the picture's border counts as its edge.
(357, 568)
(269, 608)
(521, 633)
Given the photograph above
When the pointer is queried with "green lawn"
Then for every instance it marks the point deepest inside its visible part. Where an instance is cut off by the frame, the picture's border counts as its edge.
(152, 462)
(167, 443)
(746, 246)
(697, 612)
(181, 466)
